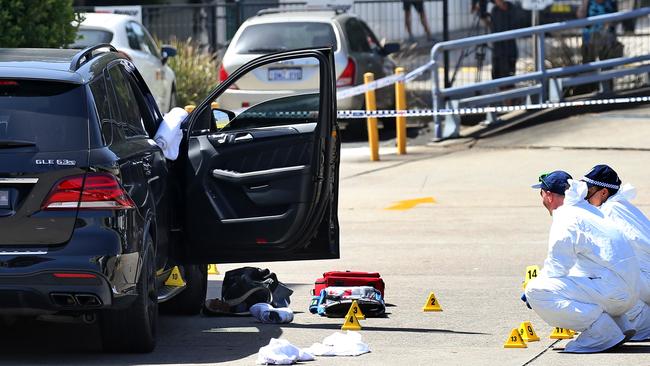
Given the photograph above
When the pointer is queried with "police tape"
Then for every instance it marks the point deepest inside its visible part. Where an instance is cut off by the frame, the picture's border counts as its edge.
(349, 114)
(383, 82)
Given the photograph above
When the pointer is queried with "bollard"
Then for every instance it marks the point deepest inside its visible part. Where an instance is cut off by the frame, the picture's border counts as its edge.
(400, 105)
(371, 105)
(214, 105)
(189, 108)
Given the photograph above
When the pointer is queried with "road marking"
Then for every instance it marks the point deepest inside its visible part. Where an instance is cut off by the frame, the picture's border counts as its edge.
(409, 204)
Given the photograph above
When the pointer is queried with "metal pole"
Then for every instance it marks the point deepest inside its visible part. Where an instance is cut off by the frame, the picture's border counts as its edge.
(371, 105)
(535, 22)
(400, 105)
(445, 37)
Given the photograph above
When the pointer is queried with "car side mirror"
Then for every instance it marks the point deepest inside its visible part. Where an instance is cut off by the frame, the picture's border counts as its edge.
(390, 48)
(167, 51)
(222, 117)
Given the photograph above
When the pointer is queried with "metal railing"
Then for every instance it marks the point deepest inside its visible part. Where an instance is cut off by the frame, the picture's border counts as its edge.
(543, 81)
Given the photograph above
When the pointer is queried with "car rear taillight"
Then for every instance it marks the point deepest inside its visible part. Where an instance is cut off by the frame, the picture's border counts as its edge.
(347, 76)
(223, 75)
(97, 191)
(8, 83)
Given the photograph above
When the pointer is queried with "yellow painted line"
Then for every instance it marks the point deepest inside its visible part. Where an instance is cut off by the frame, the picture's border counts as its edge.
(409, 204)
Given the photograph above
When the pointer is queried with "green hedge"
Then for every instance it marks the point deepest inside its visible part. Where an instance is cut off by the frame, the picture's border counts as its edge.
(196, 72)
(37, 23)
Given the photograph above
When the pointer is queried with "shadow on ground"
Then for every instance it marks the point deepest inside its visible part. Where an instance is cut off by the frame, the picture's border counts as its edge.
(181, 340)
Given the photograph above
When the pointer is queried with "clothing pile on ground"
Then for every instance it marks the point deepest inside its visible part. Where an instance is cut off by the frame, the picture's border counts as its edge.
(282, 352)
(252, 291)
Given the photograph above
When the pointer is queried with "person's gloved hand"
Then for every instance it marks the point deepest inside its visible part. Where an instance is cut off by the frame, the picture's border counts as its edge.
(523, 298)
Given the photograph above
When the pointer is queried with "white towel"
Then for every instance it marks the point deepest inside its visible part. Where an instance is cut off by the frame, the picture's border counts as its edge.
(169, 134)
(281, 352)
(340, 344)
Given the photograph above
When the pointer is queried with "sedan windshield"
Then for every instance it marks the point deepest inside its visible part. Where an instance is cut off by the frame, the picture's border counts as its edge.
(275, 37)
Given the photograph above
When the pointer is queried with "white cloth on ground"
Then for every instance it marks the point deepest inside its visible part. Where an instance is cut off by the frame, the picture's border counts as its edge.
(281, 352)
(169, 134)
(266, 313)
(590, 269)
(635, 227)
(340, 344)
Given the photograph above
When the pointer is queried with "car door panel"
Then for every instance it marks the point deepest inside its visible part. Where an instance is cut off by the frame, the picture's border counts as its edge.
(261, 191)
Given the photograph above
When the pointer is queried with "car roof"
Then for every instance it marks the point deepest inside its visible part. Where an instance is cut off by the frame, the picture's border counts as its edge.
(104, 20)
(49, 64)
(297, 16)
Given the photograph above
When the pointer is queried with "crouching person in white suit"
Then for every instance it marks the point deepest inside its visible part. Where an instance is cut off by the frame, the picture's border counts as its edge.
(589, 279)
(605, 191)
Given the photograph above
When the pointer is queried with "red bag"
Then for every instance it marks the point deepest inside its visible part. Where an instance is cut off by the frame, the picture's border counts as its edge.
(349, 278)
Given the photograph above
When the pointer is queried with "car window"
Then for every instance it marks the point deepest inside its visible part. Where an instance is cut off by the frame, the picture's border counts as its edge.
(130, 116)
(141, 38)
(132, 37)
(91, 37)
(36, 111)
(357, 36)
(371, 39)
(291, 98)
(148, 119)
(102, 103)
(291, 110)
(272, 37)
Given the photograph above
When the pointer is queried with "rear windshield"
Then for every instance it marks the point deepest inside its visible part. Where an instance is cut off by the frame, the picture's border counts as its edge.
(91, 37)
(274, 37)
(51, 115)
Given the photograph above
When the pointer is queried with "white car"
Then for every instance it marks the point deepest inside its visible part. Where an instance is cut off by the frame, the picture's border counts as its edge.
(134, 41)
(356, 51)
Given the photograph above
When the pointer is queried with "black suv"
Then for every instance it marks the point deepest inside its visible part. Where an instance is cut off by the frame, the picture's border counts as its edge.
(94, 221)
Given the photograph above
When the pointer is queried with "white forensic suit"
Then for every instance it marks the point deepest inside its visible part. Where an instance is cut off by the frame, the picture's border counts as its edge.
(589, 277)
(635, 227)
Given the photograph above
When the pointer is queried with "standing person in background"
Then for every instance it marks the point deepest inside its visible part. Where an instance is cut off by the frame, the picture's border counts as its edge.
(504, 53)
(599, 40)
(419, 7)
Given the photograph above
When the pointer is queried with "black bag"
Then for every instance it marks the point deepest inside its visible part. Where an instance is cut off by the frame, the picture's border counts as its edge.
(245, 287)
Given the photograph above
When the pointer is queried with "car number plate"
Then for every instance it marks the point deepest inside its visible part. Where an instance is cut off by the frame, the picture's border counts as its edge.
(4, 198)
(285, 74)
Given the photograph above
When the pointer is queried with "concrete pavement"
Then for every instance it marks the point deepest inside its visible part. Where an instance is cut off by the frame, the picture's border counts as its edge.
(471, 248)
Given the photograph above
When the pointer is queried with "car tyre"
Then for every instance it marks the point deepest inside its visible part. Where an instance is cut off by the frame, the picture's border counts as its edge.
(191, 299)
(133, 330)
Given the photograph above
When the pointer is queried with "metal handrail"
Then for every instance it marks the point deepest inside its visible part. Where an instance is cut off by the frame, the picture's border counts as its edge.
(541, 75)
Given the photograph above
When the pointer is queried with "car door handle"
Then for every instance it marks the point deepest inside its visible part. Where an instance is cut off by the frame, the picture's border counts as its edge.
(255, 177)
(244, 138)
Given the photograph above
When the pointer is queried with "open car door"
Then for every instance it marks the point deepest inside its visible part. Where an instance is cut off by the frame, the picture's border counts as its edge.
(261, 163)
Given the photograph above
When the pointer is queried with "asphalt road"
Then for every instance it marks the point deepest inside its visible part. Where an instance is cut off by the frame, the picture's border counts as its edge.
(470, 247)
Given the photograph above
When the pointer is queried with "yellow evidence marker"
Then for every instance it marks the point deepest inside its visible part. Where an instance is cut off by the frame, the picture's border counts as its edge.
(527, 332)
(531, 272)
(212, 269)
(356, 311)
(175, 279)
(562, 333)
(351, 322)
(432, 304)
(515, 340)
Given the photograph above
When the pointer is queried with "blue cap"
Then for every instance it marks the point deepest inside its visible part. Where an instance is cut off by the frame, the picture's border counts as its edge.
(602, 176)
(556, 182)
